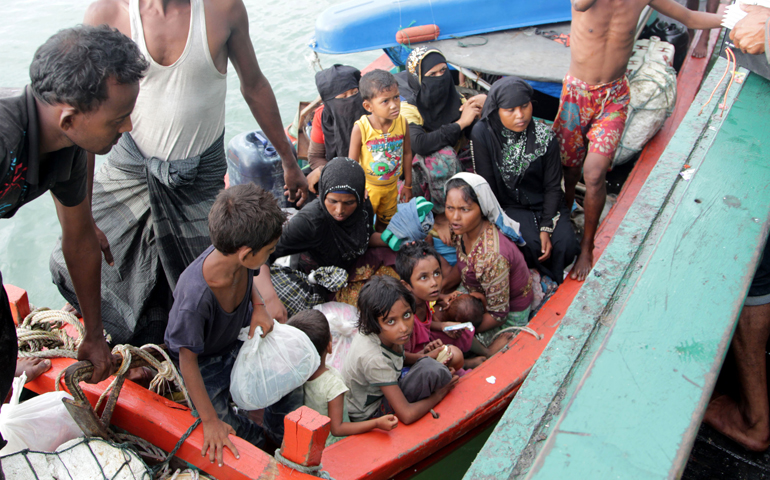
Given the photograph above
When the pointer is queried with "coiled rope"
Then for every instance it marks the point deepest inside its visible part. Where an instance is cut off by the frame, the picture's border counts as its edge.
(42, 334)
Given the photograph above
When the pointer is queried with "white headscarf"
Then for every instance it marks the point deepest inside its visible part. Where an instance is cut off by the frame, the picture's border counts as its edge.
(490, 207)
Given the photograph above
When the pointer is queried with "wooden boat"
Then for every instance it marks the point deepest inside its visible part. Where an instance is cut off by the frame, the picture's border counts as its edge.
(479, 399)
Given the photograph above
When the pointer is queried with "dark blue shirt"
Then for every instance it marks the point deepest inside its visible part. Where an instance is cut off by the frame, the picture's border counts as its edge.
(197, 322)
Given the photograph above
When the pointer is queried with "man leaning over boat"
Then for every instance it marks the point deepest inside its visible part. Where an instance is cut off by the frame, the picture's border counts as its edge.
(84, 84)
(153, 194)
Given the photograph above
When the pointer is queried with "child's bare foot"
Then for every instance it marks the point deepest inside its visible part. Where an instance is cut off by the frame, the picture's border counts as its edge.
(725, 415)
(33, 366)
(500, 342)
(583, 265)
(701, 48)
(474, 362)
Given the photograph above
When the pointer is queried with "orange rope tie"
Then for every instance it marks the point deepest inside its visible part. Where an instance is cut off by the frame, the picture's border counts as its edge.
(727, 69)
(732, 79)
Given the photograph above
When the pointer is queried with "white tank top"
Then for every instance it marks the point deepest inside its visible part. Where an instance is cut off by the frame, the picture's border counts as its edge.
(180, 110)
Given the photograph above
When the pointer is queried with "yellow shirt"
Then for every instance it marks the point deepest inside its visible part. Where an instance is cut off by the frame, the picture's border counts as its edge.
(382, 153)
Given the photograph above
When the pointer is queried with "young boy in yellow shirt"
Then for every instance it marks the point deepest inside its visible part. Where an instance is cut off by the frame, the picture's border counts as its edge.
(380, 143)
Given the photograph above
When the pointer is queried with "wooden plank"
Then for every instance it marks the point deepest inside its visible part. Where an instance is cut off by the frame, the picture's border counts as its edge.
(637, 409)
(521, 423)
(656, 370)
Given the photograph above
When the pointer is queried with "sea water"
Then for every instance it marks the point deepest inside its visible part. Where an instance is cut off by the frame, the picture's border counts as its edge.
(280, 32)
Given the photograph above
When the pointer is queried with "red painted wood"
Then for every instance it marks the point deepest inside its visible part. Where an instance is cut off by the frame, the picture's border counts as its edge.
(382, 63)
(304, 438)
(19, 302)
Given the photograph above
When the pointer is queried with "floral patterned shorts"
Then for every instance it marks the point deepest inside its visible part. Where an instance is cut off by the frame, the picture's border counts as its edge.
(593, 114)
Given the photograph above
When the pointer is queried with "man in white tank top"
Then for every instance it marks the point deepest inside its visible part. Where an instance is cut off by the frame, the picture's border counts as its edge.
(152, 195)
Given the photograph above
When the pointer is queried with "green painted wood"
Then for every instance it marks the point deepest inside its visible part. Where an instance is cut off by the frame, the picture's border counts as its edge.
(637, 409)
(519, 434)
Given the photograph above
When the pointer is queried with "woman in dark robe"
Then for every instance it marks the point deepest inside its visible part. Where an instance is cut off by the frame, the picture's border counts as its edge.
(342, 106)
(333, 230)
(439, 121)
(519, 158)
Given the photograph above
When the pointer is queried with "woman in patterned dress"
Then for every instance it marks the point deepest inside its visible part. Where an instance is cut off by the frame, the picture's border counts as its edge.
(491, 265)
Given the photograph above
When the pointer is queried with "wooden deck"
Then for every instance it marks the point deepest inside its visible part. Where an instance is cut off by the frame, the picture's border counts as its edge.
(621, 389)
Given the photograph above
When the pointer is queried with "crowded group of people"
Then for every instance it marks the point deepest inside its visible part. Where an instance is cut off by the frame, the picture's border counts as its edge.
(441, 218)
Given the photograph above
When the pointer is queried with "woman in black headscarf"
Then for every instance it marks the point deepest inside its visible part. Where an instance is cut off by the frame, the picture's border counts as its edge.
(437, 119)
(519, 158)
(335, 229)
(342, 106)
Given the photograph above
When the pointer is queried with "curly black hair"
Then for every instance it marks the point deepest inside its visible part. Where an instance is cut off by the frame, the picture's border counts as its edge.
(73, 66)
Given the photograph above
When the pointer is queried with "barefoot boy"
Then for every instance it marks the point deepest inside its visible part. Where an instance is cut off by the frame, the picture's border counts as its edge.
(594, 99)
(214, 299)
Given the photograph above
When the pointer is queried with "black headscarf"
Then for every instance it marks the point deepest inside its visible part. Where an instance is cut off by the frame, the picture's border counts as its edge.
(352, 234)
(435, 97)
(513, 151)
(339, 114)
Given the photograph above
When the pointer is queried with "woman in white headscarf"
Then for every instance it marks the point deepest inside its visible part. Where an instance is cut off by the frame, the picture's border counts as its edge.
(491, 265)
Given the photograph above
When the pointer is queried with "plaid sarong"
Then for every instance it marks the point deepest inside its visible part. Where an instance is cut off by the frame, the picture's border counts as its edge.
(298, 292)
(155, 215)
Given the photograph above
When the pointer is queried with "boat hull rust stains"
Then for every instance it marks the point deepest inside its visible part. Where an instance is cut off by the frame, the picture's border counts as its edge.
(512, 446)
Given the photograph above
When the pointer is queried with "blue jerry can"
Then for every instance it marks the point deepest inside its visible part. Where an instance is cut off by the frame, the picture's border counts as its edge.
(252, 158)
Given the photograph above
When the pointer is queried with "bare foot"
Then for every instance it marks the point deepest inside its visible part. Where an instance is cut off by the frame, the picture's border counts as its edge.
(582, 266)
(725, 415)
(500, 342)
(701, 48)
(33, 366)
(474, 362)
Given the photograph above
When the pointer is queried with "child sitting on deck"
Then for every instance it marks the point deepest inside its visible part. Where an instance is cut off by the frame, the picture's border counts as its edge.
(380, 143)
(419, 267)
(325, 391)
(374, 363)
(214, 299)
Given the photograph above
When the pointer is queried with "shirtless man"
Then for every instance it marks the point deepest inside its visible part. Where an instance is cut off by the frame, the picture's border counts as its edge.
(152, 197)
(594, 99)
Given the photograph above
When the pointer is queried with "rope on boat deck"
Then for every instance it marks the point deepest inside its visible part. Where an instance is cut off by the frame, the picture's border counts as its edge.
(41, 334)
(520, 329)
(315, 471)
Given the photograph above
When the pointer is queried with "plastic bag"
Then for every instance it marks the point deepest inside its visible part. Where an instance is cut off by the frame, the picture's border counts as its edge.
(40, 424)
(268, 368)
(342, 322)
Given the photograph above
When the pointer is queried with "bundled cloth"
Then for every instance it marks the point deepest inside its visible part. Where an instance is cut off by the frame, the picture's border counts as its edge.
(653, 96)
(299, 292)
(412, 222)
(155, 216)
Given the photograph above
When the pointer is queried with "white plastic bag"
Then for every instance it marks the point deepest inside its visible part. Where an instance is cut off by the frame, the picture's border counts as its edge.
(342, 322)
(40, 424)
(268, 368)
